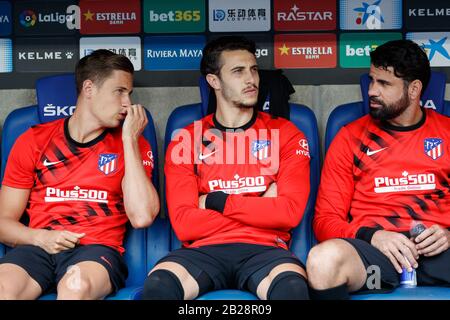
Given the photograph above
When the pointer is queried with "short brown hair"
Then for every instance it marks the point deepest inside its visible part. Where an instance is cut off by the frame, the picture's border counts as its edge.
(99, 65)
(210, 62)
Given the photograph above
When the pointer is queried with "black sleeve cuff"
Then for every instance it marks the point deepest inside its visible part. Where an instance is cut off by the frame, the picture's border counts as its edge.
(366, 233)
(216, 201)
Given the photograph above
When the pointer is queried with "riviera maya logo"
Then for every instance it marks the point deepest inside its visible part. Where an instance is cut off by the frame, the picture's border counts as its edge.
(28, 18)
(433, 47)
(370, 15)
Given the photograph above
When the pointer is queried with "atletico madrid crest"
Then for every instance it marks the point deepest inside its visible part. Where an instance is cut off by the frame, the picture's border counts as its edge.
(107, 162)
(260, 149)
(434, 147)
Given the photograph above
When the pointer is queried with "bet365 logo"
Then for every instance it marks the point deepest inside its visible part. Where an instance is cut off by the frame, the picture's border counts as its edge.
(176, 16)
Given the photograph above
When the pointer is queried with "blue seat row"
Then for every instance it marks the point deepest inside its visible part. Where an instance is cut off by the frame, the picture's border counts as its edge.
(145, 247)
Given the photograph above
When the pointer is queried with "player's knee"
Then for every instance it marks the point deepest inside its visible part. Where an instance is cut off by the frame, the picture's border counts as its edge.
(75, 290)
(6, 294)
(162, 285)
(325, 259)
(288, 285)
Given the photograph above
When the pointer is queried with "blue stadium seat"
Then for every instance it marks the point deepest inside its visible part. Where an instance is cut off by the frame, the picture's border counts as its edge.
(433, 97)
(56, 97)
(304, 118)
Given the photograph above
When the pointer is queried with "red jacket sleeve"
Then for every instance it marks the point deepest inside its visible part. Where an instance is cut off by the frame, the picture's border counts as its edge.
(20, 169)
(146, 156)
(336, 190)
(285, 211)
(188, 221)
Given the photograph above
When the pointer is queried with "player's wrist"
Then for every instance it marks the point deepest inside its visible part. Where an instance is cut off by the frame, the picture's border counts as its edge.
(367, 233)
(216, 201)
(37, 236)
(129, 138)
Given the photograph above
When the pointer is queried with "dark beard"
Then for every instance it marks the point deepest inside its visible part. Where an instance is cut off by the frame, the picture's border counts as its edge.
(245, 106)
(391, 111)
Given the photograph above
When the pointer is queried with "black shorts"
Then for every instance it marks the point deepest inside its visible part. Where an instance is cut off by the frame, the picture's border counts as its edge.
(232, 266)
(432, 271)
(48, 269)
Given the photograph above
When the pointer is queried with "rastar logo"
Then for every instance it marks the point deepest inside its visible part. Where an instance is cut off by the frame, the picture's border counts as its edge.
(295, 14)
(56, 111)
(407, 182)
(75, 194)
(238, 185)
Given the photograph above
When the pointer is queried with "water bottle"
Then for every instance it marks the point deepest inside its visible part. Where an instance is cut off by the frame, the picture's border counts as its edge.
(409, 279)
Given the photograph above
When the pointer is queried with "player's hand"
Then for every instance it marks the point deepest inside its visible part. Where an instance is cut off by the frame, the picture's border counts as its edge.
(400, 250)
(433, 241)
(135, 121)
(202, 201)
(54, 241)
(271, 191)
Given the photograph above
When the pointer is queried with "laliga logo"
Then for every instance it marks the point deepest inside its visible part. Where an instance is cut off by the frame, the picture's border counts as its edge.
(28, 18)
(261, 53)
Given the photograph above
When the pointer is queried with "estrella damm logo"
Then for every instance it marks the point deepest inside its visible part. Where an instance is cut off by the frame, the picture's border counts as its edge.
(172, 16)
(28, 18)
